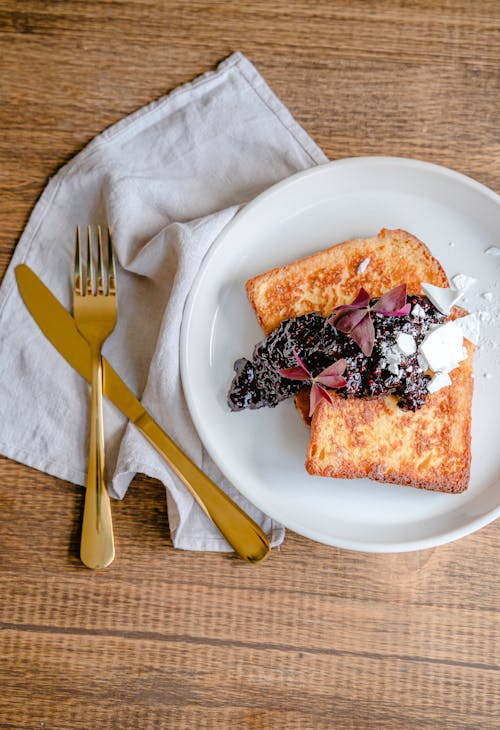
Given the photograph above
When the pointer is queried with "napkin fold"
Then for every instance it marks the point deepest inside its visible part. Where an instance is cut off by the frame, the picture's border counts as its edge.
(167, 179)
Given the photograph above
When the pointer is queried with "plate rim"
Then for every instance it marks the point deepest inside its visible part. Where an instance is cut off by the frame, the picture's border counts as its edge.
(315, 535)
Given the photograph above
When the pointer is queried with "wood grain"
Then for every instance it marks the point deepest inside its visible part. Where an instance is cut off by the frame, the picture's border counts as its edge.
(315, 637)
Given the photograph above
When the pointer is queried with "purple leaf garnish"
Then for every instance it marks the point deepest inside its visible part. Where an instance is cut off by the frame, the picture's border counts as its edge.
(295, 373)
(346, 321)
(355, 319)
(400, 312)
(330, 377)
(316, 395)
(299, 372)
(362, 300)
(364, 335)
(393, 303)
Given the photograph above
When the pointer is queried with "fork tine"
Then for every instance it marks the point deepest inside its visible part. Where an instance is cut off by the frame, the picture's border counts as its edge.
(111, 266)
(90, 264)
(78, 273)
(100, 286)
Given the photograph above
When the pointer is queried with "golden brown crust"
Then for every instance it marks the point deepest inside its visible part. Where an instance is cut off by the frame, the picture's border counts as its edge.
(429, 449)
(319, 282)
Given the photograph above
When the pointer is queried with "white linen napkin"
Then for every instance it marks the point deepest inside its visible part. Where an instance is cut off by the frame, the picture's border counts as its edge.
(167, 179)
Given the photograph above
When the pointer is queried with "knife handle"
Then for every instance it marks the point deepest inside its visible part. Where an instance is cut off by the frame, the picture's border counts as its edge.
(241, 532)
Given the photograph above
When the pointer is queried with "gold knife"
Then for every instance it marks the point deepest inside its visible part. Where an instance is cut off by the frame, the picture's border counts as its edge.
(57, 324)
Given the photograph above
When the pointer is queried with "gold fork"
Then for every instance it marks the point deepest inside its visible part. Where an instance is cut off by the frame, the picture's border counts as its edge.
(94, 309)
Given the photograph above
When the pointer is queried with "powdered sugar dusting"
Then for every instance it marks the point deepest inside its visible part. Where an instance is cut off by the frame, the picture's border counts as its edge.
(485, 304)
(462, 282)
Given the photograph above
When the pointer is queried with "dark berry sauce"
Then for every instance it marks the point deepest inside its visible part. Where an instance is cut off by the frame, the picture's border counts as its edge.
(257, 383)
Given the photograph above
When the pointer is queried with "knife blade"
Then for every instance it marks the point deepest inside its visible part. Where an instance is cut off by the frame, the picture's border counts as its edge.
(58, 326)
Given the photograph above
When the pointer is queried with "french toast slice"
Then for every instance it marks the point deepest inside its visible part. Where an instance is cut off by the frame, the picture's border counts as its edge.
(429, 448)
(320, 282)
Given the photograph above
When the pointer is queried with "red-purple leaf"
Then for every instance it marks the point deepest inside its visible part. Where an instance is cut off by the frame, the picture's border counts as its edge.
(336, 368)
(392, 302)
(300, 362)
(364, 335)
(332, 381)
(317, 394)
(401, 312)
(295, 373)
(325, 394)
(362, 300)
(355, 319)
(299, 372)
(345, 321)
(331, 376)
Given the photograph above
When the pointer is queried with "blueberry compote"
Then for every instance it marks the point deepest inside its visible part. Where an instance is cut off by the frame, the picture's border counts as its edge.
(257, 383)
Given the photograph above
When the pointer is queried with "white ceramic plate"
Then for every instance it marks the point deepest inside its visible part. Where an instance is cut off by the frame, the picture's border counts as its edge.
(262, 452)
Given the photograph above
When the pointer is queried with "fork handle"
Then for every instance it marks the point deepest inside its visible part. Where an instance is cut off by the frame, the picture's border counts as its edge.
(97, 549)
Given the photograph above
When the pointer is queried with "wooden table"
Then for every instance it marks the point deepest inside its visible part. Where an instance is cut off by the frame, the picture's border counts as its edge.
(315, 637)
